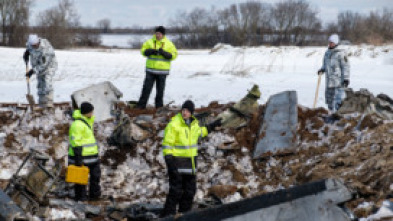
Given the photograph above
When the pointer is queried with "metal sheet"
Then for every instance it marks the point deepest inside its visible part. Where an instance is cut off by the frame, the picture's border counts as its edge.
(278, 129)
(102, 96)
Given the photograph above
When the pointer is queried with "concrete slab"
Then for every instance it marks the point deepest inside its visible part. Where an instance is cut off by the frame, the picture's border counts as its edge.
(278, 129)
(102, 96)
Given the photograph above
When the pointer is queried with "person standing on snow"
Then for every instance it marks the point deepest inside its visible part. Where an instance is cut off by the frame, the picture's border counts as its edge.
(180, 150)
(336, 67)
(83, 150)
(44, 65)
(159, 52)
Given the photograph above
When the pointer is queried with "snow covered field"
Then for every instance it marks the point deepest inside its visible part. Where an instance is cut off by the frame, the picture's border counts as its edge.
(224, 75)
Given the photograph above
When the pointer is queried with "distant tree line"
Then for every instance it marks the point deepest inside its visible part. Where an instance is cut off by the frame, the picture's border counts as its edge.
(289, 22)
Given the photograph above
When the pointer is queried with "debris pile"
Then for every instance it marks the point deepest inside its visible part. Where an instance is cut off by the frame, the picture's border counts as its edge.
(357, 148)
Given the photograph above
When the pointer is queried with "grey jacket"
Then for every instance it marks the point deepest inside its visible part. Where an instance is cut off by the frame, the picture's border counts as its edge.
(43, 60)
(336, 67)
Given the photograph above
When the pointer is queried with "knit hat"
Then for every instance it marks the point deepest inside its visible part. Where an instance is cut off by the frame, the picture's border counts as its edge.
(160, 29)
(334, 39)
(189, 105)
(33, 39)
(86, 108)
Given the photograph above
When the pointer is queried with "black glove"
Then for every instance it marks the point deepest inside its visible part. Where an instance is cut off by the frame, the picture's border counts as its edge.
(165, 54)
(213, 125)
(30, 73)
(320, 71)
(78, 156)
(26, 56)
(345, 83)
(149, 52)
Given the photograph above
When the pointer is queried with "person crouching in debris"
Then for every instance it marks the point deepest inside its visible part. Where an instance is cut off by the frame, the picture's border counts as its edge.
(180, 150)
(336, 67)
(44, 65)
(83, 150)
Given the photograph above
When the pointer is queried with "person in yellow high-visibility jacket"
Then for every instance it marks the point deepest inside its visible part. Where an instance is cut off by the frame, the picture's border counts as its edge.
(180, 150)
(83, 150)
(159, 52)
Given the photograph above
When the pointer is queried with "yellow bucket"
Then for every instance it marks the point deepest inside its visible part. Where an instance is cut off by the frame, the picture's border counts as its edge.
(78, 175)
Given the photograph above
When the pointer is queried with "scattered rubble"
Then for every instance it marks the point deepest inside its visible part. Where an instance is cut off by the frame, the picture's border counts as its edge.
(357, 148)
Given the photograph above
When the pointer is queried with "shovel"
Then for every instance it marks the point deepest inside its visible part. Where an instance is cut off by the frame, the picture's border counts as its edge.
(316, 92)
(29, 97)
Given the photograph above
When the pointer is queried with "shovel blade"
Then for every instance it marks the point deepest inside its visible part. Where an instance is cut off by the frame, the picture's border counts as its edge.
(30, 99)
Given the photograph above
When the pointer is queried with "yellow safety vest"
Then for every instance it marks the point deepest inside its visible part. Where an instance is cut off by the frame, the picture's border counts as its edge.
(157, 64)
(81, 134)
(181, 141)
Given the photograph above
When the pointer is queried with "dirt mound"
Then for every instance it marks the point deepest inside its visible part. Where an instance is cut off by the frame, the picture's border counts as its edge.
(354, 148)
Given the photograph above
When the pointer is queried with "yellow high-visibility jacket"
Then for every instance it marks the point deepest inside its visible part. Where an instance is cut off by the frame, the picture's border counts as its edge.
(157, 64)
(181, 141)
(81, 134)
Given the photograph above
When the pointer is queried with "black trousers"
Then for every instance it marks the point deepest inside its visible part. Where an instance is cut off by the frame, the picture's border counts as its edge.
(150, 78)
(182, 189)
(94, 184)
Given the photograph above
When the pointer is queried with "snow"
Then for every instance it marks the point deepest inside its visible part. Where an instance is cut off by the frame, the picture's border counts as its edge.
(224, 75)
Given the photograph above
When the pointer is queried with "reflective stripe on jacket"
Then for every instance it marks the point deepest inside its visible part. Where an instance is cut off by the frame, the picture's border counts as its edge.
(157, 64)
(181, 141)
(82, 135)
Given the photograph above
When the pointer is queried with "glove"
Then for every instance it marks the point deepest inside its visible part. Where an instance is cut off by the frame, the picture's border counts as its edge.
(78, 156)
(30, 73)
(149, 52)
(165, 54)
(320, 71)
(26, 56)
(345, 83)
(213, 125)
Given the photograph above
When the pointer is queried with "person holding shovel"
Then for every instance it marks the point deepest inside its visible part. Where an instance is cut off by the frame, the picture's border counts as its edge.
(44, 65)
(336, 67)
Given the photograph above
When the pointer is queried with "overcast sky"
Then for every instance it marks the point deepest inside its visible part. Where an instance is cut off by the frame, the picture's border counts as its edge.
(148, 13)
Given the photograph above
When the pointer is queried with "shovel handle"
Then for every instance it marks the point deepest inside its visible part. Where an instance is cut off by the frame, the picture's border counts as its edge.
(316, 92)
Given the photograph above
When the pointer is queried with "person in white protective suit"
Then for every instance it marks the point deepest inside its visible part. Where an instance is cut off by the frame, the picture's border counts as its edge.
(44, 65)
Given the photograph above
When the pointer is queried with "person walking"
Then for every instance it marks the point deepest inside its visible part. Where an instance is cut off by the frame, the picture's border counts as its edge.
(83, 150)
(336, 66)
(159, 52)
(44, 65)
(180, 150)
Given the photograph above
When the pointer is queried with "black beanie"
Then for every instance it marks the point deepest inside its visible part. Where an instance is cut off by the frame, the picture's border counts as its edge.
(86, 108)
(160, 29)
(189, 105)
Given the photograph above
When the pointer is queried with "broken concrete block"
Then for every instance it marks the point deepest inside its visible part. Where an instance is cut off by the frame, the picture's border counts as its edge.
(309, 202)
(278, 129)
(239, 114)
(102, 96)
